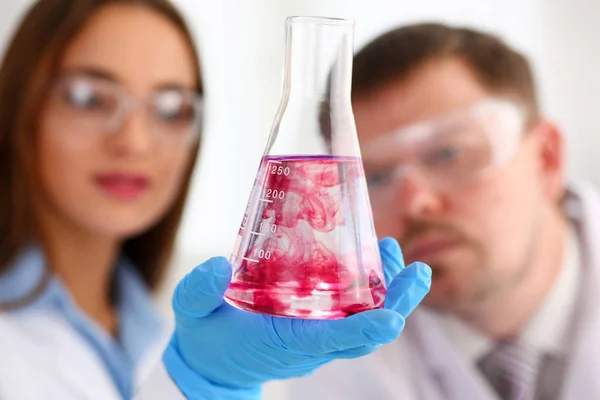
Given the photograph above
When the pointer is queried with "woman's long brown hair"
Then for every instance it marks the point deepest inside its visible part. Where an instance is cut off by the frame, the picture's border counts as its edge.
(30, 64)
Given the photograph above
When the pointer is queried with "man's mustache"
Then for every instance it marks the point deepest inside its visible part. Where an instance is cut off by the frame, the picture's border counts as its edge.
(419, 228)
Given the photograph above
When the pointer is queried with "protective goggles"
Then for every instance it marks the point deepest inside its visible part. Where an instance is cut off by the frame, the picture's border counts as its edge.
(83, 105)
(447, 152)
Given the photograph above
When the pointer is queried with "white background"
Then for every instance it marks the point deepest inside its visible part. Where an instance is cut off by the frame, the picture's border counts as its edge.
(241, 44)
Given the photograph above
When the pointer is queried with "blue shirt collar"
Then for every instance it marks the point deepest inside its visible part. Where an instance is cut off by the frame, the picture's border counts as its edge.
(22, 277)
(139, 323)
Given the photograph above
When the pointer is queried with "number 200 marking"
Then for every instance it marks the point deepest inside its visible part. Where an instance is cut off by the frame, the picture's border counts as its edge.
(275, 194)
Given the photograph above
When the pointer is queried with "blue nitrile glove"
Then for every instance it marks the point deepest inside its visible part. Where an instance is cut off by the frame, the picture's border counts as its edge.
(220, 352)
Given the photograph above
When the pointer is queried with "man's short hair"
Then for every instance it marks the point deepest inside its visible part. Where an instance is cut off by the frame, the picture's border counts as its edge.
(394, 55)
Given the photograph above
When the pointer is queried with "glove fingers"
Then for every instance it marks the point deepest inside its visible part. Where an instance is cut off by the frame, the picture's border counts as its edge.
(355, 352)
(201, 291)
(408, 289)
(391, 258)
(374, 327)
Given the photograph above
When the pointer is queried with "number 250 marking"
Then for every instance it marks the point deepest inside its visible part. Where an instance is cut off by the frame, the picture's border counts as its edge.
(279, 170)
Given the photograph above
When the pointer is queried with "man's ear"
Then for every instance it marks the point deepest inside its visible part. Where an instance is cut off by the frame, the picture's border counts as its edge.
(551, 150)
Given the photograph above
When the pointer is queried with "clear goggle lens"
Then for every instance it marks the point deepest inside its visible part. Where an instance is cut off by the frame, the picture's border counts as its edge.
(446, 152)
(89, 105)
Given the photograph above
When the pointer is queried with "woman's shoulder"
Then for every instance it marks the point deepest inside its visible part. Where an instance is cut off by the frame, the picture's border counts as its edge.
(35, 328)
(42, 357)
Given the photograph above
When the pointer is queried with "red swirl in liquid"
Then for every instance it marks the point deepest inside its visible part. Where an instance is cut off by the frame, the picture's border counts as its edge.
(309, 248)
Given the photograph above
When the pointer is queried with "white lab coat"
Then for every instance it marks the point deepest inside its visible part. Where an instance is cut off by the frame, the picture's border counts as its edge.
(42, 358)
(422, 365)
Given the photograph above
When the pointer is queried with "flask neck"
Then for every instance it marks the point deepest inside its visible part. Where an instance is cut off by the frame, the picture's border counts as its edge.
(318, 64)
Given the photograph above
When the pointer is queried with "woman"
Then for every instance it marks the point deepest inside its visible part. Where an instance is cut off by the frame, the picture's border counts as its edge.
(98, 139)
(100, 102)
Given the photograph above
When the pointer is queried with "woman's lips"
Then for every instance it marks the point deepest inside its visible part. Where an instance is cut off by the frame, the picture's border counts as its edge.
(123, 185)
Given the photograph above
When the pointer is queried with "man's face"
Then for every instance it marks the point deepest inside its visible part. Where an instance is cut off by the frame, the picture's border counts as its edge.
(477, 235)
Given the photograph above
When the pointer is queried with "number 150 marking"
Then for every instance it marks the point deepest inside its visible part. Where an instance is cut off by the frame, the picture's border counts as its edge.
(265, 226)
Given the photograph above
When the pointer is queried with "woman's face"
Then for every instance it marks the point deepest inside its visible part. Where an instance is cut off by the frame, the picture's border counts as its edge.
(108, 165)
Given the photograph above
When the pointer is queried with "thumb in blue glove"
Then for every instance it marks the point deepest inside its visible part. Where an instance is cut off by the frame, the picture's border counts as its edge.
(238, 349)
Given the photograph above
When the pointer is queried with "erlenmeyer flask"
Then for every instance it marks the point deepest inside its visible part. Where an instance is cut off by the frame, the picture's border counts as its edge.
(307, 246)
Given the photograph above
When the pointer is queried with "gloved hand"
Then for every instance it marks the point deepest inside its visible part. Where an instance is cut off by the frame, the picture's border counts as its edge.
(220, 352)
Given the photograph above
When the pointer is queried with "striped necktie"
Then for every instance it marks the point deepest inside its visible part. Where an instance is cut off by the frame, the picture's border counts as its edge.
(551, 377)
(510, 369)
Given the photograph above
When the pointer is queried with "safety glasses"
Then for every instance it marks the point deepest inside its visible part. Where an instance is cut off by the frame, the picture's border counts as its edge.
(85, 105)
(447, 152)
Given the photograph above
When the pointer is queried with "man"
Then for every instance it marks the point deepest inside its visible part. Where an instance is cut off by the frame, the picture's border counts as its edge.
(468, 175)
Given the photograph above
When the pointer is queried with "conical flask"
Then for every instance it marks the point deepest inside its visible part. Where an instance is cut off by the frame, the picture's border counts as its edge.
(307, 247)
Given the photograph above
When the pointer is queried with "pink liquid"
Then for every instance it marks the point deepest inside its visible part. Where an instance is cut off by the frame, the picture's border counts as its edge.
(307, 247)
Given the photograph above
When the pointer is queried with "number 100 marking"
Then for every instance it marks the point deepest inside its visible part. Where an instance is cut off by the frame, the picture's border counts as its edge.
(262, 254)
